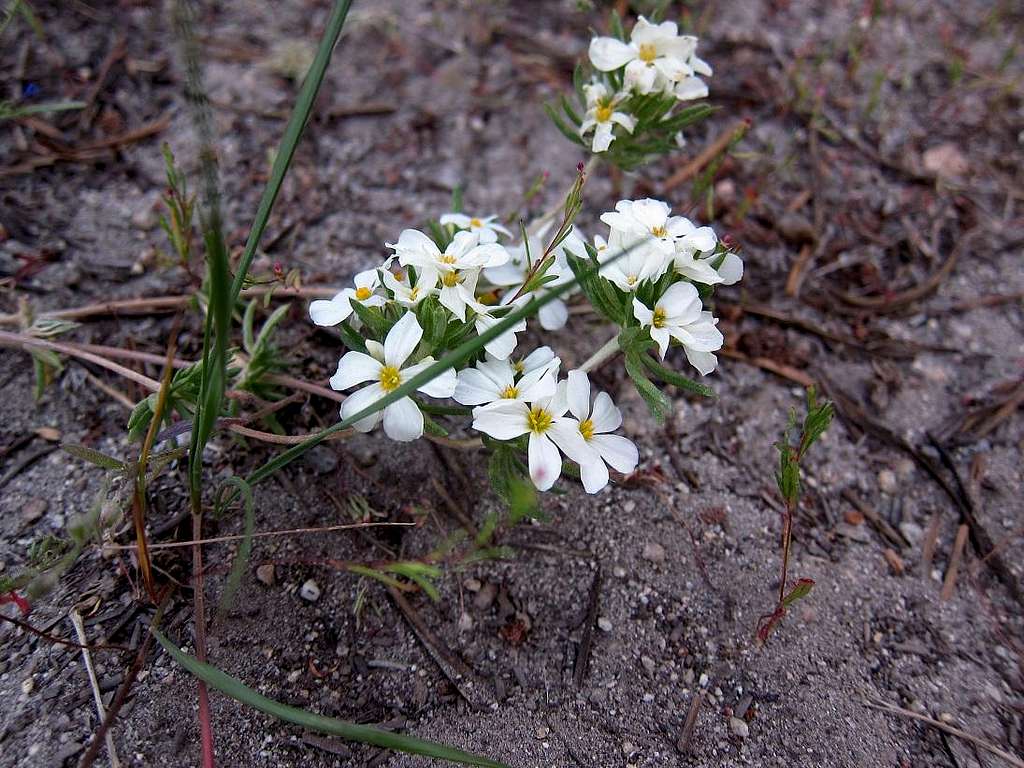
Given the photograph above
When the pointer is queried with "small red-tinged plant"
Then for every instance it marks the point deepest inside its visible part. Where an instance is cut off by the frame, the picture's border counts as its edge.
(18, 600)
(817, 420)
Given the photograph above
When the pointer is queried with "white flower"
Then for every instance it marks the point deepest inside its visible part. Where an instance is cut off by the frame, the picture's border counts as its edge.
(602, 116)
(484, 228)
(410, 295)
(677, 314)
(541, 357)
(540, 420)
(656, 57)
(327, 312)
(639, 263)
(502, 346)
(494, 381)
(465, 251)
(594, 426)
(383, 366)
(554, 314)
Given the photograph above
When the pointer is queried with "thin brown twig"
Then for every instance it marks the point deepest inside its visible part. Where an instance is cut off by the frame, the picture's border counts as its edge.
(712, 151)
(265, 534)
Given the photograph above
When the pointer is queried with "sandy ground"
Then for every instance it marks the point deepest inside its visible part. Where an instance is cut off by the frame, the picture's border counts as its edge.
(687, 554)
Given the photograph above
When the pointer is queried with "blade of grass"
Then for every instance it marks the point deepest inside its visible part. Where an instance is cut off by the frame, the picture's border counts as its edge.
(365, 734)
(292, 134)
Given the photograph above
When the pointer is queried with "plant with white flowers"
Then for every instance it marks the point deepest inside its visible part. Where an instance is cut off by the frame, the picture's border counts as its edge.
(650, 274)
(630, 93)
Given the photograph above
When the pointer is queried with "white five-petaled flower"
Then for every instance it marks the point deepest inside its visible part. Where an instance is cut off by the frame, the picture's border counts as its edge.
(328, 312)
(602, 116)
(486, 228)
(548, 432)
(628, 270)
(384, 367)
(512, 273)
(541, 357)
(456, 269)
(496, 381)
(411, 295)
(594, 425)
(656, 58)
(678, 314)
(503, 345)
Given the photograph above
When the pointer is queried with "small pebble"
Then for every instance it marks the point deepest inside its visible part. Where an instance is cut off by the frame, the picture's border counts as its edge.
(265, 574)
(27, 685)
(32, 510)
(887, 481)
(604, 624)
(310, 591)
(648, 664)
(619, 572)
(654, 552)
(739, 728)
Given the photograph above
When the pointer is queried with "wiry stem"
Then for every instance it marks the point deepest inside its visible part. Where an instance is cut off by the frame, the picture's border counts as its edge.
(607, 351)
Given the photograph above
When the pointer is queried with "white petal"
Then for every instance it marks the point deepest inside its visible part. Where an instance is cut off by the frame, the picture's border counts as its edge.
(704, 362)
(474, 388)
(541, 356)
(402, 340)
(357, 401)
(414, 240)
(606, 417)
(442, 385)
(700, 66)
(536, 385)
(545, 462)
(681, 299)
(642, 313)
(671, 68)
(626, 121)
(618, 451)
(355, 368)
(603, 137)
(593, 474)
(486, 255)
(661, 338)
(607, 53)
(328, 312)
(403, 421)
(578, 394)
(504, 420)
(698, 270)
(702, 239)
(553, 315)
(451, 298)
(640, 77)
(460, 220)
(565, 433)
(690, 88)
(511, 272)
(731, 269)
(376, 350)
(368, 279)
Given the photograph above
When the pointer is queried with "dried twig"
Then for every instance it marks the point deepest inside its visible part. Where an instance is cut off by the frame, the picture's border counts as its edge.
(713, 150)
(76, 620)
(579, 671)
(949, 582)
(684, 742)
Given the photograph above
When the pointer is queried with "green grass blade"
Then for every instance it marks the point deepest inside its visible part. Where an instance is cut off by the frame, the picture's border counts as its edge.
(292, 133)
(241, 563)
(366, 734)
(10, 112)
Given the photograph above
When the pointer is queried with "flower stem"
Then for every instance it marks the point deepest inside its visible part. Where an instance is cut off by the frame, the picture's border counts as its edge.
(603, 355)
(556, 209)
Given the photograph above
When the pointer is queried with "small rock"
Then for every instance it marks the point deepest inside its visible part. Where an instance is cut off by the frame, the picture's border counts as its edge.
(619, 572)
(648, 664)
(796, 228)
(739, 728)
(913, 532)
(629, 506)
(703, 680)
(485, 597)
(473, 585)
(654, 552)
(145, 218)
(887, 481)
(310, 591)
(322, 459)
(465, 622)
(32, 510)
(853, 517)
(543, 731)
(895, 561)
(365, 457)
(598, 696)
(27, 685)
(604, 624)
(945, 161)
(265, 574)
(904, 468)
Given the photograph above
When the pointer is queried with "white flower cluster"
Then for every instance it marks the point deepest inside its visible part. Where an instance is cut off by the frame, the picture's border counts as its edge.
(471, 280)
(656, 60)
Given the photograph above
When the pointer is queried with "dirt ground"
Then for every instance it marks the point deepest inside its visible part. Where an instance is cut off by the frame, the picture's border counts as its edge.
(881, 147)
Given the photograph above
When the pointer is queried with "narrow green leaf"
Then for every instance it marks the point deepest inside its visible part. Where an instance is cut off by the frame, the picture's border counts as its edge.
(677, 380)
(94, 457)
(241, 563)
(365, 734)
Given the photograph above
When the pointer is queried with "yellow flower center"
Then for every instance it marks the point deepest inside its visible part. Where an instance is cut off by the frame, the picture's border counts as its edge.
(538, 420)
(518, 366)
(604, 113)
(659, 231)
(447, 258)
(475, 223)
(658, 321)
(648, 53)
(390, 378)
(631, 279)
(363, 293)
(414, 292)
(450, 279)
(587, 429)
(511, 392)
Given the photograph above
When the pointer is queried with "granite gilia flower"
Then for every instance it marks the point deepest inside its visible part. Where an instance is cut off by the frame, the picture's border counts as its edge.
(603, 115)
(656, 58)
(595, 425)
(486, 228)
(678, 315)
(328, 312)
(384, 366)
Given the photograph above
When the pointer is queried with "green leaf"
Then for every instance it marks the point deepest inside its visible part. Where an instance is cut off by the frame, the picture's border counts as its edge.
(94, 457)
(365, 734)
(373, 318)
(671, 377)
(657, 403)
(799, 591)
(351, 338)
(238, 567)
